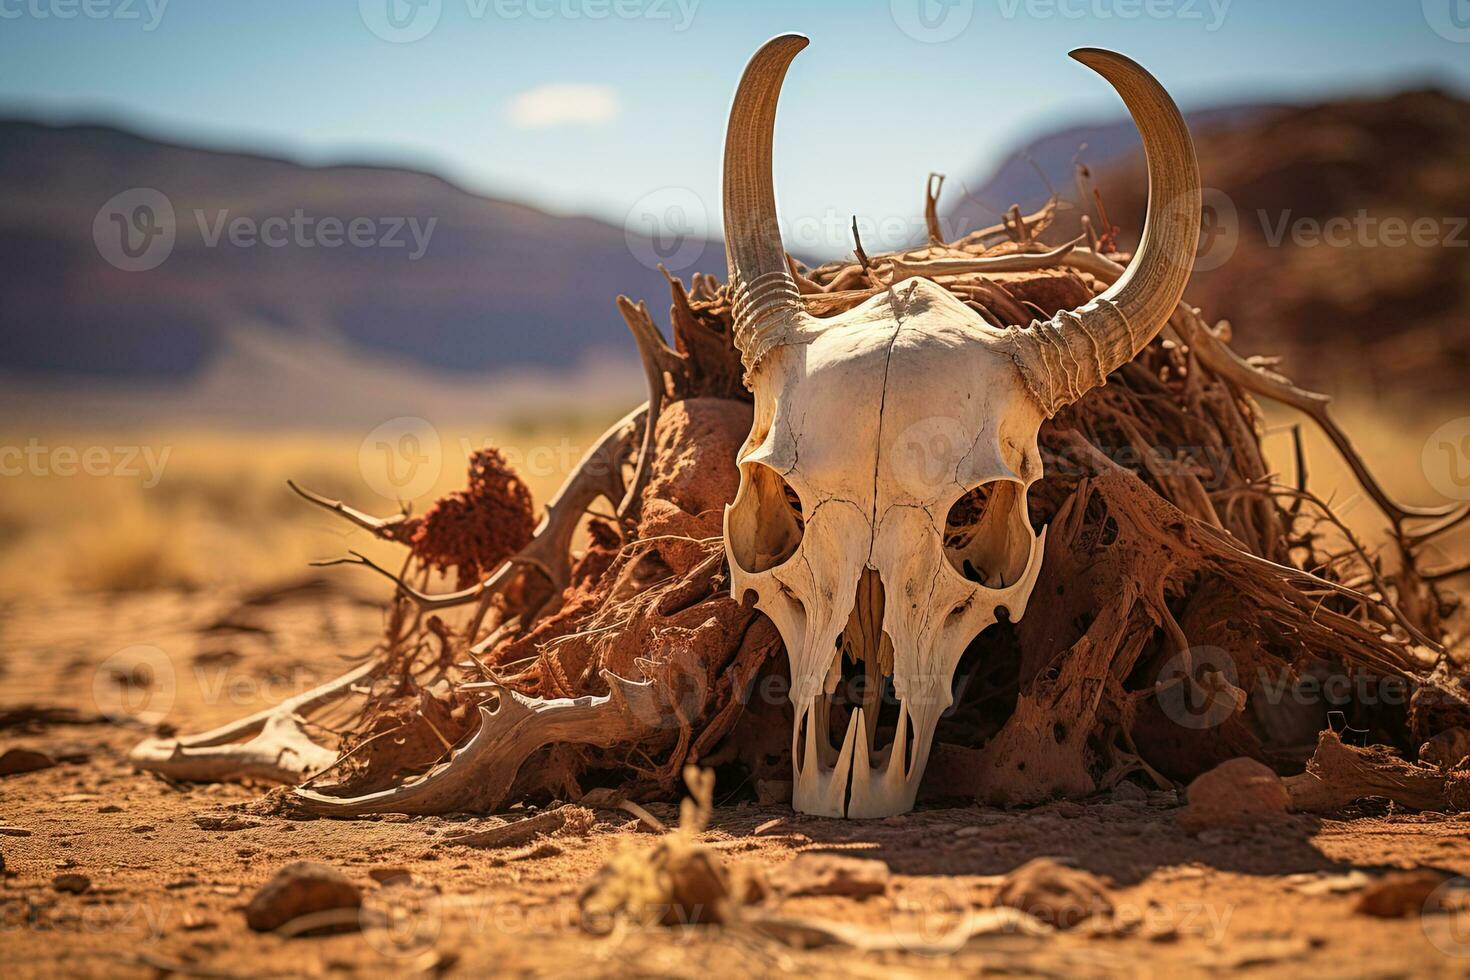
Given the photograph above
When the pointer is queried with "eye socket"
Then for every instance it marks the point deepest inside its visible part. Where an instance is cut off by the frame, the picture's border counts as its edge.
(766, 523)
(987, 538)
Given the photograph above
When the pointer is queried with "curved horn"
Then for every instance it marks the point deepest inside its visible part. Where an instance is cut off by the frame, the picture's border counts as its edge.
(767, 309)
(1062, 358)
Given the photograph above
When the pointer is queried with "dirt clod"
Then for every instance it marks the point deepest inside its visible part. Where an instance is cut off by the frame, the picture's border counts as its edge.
(1237, 793)
(300, 889)
(385, 876)
(71, 883)
(1396, 896)
(831, 874)
(224, 821)
(1054, 893)
(16, 761)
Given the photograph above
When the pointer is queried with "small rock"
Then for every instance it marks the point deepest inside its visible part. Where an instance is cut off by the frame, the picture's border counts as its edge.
(1069, 809)
(831, 874)
(71, 883)
(1238, 793)
(384, 875)
(193, 922)
(16, 761)
(143, 828)
(969, 831)
(1447, 750)
(109, 808)
(1054, 893)
(769, 792)
(1396, 896)
(224, 821)
(1126, 792)
(299, 889)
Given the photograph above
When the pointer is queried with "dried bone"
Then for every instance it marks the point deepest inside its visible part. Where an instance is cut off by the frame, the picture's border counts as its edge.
(276, 747)
(1340, 774)
(956, 404)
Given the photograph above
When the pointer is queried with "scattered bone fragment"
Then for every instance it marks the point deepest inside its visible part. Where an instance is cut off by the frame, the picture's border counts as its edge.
(566, 820)
(1339, 774)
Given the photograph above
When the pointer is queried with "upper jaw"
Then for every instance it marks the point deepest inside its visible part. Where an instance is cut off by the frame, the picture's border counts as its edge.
(858, 782)
(855, 776)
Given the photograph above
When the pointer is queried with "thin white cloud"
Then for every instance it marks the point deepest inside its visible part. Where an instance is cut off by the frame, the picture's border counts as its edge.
(563, 104)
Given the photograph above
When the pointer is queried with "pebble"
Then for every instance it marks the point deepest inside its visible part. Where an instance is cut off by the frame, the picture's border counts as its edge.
(299, 889)
(72, 883)
(1237, 793)
(1396, 896)
(16, 761)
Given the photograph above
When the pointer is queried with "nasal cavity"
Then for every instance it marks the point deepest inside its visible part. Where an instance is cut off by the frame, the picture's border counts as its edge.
(864, 668)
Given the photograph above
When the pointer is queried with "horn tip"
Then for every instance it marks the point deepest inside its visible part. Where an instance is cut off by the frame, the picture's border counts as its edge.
(1095, 58)
(796, 41)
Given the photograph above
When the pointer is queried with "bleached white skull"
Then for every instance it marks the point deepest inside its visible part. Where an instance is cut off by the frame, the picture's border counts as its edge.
(881, 519)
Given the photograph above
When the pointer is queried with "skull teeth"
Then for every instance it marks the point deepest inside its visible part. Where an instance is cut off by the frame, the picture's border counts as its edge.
(858, 781)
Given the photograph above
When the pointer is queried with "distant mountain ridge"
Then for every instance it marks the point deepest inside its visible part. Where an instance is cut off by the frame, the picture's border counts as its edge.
(306, 251)
(1046, 163)
(1300, 250)
(504, 293)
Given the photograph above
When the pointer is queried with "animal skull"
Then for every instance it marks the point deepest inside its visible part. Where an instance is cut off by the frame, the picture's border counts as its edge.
(881, 519)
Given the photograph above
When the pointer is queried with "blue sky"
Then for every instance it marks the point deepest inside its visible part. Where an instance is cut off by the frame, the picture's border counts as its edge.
(589, 106)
